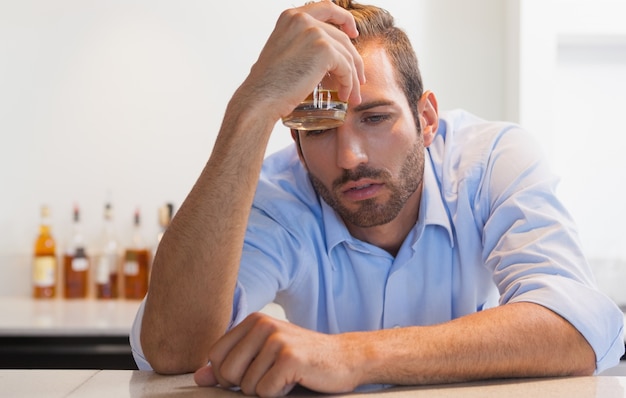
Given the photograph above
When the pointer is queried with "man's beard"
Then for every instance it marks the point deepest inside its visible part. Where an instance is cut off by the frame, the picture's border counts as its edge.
(370, 213)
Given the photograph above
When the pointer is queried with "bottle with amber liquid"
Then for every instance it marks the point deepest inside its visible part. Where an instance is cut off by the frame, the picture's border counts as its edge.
(136, 263)
(44, 259)
(75, 262)
(107, 265)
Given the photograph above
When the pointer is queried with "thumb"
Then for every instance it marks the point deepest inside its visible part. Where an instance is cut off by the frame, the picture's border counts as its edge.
(204, 377)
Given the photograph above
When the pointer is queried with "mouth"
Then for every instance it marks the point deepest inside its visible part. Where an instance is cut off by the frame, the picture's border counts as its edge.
(360, 187)
(361, 190)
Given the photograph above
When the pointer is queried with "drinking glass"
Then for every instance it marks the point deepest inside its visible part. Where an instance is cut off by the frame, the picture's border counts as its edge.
(320, 110)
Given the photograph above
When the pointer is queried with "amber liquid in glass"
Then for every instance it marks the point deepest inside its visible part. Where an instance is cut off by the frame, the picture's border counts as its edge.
(321, 110)
(75, 269)
(136, 273)
(44, 263)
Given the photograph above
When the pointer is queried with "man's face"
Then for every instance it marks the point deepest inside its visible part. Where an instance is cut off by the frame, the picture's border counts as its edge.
(371, 166)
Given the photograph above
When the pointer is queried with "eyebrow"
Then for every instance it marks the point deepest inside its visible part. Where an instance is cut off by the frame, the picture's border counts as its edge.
(369, 105)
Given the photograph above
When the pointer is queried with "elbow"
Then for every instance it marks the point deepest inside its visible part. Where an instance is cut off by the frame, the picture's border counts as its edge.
(172, 367)
(585, 369)
(583, 372)
(584, 361)
(167, 364)
(167, 360)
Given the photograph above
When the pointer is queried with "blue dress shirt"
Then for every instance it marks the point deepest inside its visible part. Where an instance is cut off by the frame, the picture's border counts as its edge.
(490, 231)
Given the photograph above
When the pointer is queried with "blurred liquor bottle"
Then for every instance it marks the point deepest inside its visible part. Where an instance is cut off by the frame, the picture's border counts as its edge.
(44, 277)
(75, 262)
(108, 263)
(136, 263)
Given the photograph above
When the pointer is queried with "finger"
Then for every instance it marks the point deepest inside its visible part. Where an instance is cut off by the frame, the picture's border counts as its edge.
(270, 384)
(279, 380)
(277, 368)
(220, 350)
(226, 343)
(329, 12)
(349, 74)
(204, 377)
(261, 364)
(348, 68)
(243, 346)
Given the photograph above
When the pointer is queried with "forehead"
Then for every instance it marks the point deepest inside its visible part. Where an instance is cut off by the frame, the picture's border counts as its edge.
(380, 75)
(375, 59)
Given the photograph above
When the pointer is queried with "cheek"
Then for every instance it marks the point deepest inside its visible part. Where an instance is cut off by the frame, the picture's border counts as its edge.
(318, 162)
(393, 152)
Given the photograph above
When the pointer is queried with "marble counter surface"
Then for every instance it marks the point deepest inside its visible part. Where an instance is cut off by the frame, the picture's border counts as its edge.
(134, 384)
(70, 334)
(24, 316)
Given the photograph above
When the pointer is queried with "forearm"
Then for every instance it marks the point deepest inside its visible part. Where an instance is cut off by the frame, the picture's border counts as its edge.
(515, 340)
(195, 269)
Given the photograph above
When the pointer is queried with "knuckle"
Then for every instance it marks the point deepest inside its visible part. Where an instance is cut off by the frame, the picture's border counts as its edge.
(287, 355)
(248, 388)
(287, 15)
(255, 316)
(294, 19)
(265, 323)
(228, 377)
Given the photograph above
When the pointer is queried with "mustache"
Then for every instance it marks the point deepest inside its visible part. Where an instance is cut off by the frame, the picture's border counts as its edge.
(361, 171)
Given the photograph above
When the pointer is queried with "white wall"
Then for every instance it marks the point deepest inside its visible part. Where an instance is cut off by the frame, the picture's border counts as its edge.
(461, 48)
(122, 99)
(572, 94)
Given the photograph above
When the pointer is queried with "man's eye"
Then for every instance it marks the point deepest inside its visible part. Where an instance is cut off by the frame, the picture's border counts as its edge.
(313, 133)
(375, 119)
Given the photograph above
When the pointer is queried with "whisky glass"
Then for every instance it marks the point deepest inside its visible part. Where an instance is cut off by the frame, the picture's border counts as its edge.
(320, 110)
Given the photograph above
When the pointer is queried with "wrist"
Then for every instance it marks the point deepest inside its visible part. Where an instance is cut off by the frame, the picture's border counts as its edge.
(253, 98)
(364, 357)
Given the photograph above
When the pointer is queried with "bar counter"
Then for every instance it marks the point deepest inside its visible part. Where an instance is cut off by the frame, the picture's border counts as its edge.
(24, 316)
(134, 384)
(70, 334)
(81, 334)
(66, 334)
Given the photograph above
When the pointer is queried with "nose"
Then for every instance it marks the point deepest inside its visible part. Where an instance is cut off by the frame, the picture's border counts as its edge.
(351, 148)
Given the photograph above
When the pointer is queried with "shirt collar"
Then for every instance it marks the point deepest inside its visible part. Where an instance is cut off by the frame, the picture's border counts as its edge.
(432, 209)
(335, 228)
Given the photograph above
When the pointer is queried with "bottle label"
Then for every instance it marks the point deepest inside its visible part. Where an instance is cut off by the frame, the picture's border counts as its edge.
(79, 264)
(131, 268)
(44, 271)
(103, 271)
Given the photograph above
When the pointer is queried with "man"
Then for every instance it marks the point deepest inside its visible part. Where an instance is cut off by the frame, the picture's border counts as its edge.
(405, 246)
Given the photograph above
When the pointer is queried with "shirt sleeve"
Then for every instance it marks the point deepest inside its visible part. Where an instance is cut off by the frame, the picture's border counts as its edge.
(533, 249)
(135, 342)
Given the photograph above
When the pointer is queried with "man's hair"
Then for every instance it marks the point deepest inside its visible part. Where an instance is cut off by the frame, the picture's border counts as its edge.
(377, 25)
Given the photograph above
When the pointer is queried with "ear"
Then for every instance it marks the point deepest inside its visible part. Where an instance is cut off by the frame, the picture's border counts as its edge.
(429, 116)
